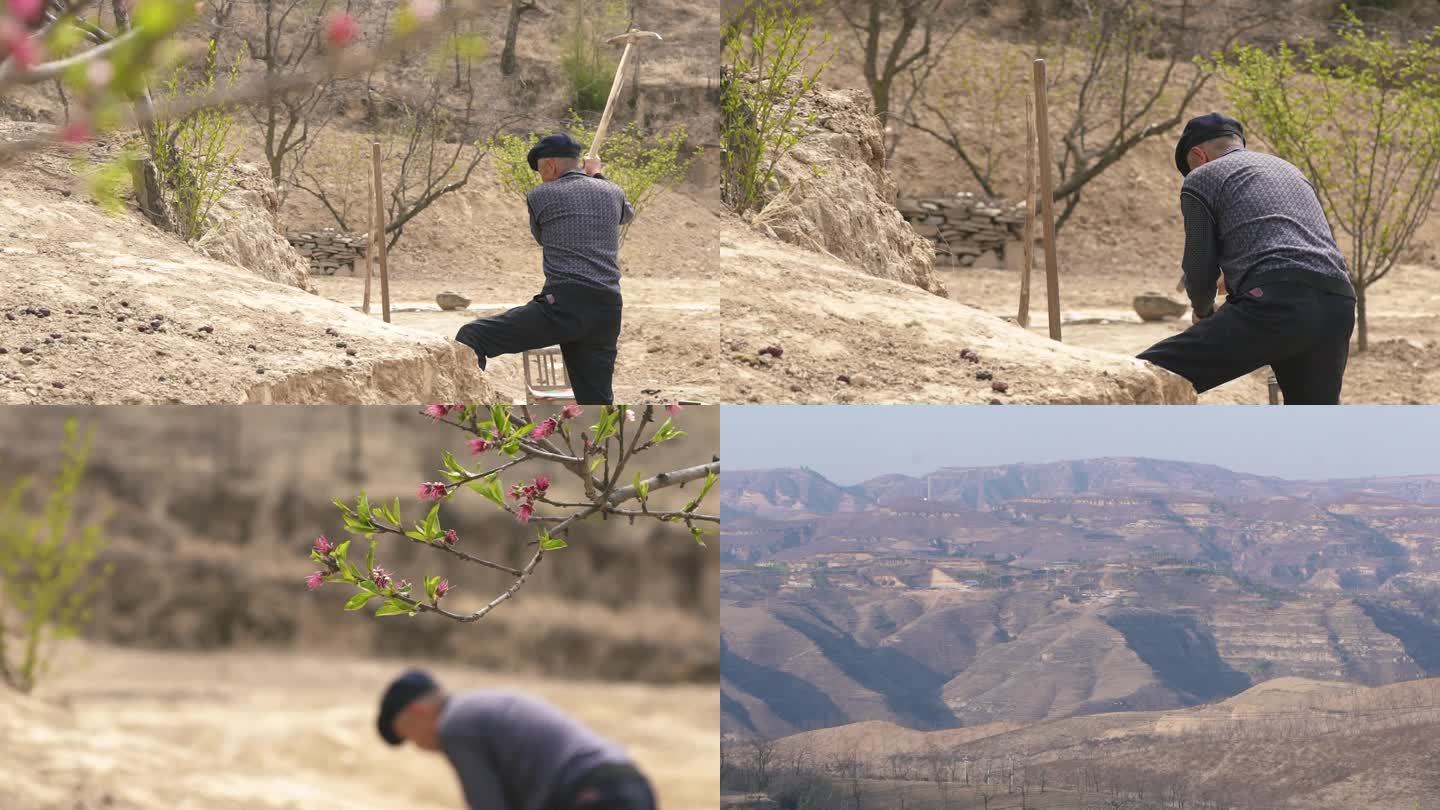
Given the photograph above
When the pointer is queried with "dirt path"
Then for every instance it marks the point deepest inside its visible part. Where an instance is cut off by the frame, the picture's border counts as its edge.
(131, 730)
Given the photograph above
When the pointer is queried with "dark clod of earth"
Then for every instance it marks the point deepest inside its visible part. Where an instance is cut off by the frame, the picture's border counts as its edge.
(43, 312)
(984, 375)
(331, 332)
(774, 351)
(55, 335)
(844, 378)
(251, 347)
(999, 387)
(9, 316)
(4, 350)
(340, 344)
(966, 354)
(351, 352)
(26, 349)
(209, 330)
(58, 384)
(996, 402)
(124, 303)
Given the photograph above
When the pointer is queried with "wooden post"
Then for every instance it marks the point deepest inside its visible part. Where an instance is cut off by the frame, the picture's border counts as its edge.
(1024, 317)
(1274, 385)
(369, 247)
(1047, 196)
(379, 229)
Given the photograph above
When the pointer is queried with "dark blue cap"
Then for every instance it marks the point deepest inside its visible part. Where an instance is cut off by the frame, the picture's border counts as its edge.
(403, 691)
(1201, 129)
(553, 146)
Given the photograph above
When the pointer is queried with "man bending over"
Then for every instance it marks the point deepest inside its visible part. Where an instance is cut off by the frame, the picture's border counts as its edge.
(1289, 302)
(575, 215)
(510, 751)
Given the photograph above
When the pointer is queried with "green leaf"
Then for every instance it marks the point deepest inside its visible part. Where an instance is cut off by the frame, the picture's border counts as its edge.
(452, 469)
(500, 415)
(367, 585)
(340, 551)
(491, 487)
(432, 523)
(698, 534)
(666, 432)
(417, 534)
(394, 607)
(370, 556)
(430, 584)
(359, 600)
(595, 463)
(550, 543)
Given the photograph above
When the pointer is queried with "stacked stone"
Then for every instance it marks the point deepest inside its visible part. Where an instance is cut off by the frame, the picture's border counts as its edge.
(964, 227)
(329, 250)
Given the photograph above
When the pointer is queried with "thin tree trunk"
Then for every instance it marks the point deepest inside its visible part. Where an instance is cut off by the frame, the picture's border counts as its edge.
(1362, 327)
(512, 33)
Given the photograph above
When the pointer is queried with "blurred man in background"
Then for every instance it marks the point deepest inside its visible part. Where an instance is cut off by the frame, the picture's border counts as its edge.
(512, 751)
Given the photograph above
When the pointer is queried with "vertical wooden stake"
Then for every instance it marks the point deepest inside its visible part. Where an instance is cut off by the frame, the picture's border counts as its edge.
(369, 246)
(380, 233)
(1024, 317)
(1047, 196)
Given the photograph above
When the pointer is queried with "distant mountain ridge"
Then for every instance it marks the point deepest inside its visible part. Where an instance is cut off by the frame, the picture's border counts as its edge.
(797, 491)
(1023, 593)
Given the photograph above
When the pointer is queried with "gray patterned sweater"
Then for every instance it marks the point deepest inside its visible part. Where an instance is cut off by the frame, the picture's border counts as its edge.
(1255, 218)
(577, 219)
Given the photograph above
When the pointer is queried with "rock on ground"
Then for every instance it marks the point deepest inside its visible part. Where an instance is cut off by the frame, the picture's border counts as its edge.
(836, 197)
(832, 320)
(1152, 306)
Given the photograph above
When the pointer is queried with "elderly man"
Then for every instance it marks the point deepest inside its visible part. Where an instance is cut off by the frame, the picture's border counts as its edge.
(1254, 223)
(510, 751)
(575, 215)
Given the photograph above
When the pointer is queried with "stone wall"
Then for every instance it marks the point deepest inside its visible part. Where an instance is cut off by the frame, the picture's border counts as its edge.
(329, 250)
(965, 228)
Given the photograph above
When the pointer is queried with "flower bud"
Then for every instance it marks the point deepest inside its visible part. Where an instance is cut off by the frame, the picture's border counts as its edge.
(432, 491)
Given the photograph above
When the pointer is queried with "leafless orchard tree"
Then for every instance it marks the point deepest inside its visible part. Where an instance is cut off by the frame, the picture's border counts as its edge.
(901, 38)
(1121, 72)
(289, 39)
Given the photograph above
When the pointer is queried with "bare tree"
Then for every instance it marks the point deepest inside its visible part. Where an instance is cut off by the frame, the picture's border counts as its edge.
(762, 759)
(922, 32)
(433, 152)
(288, 39)
(1121, 74)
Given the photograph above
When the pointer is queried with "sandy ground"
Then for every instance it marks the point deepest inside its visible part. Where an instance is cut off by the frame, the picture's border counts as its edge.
(850, 337)
(1402, 364)
(128, 730)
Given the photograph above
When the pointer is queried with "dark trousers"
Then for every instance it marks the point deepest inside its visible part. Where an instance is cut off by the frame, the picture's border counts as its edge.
(608, 787)
(584, 323)
(1302, 333)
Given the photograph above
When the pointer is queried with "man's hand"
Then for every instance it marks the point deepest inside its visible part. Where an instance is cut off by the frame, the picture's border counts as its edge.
(593, 166)
(1198, 315)
(1220, 286)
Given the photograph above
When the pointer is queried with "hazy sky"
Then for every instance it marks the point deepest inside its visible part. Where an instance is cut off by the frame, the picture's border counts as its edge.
(850, 443)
